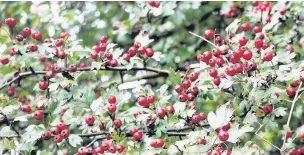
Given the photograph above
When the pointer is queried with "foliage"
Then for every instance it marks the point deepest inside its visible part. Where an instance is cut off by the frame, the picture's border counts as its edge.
(151, 77)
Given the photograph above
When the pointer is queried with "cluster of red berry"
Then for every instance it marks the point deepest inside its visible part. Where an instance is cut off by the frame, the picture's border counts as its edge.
(138, 48)
(105, 146)
(232, 12)
(294, 151)
(59, 132)
(218, 151)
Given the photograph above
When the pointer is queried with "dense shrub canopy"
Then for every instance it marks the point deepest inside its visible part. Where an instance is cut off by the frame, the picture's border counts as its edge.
(151, 77)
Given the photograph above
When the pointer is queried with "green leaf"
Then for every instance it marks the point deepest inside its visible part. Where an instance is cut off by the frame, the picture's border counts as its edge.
(75, 140)
(174, 77)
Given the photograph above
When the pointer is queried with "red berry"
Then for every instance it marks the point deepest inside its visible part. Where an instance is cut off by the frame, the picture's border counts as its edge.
(127, 56)
(133, 131)
(209, 34)
(255, 3)
(83, 64)
(217, 80)
(132, 51)
(283, 11)
(43, 85)
(138, 135)
(120, 148)
(94, 55)
(223, 135)
(161, 112)
(213, 72)
(195, 119)
(42, 57)
(194, 76)
(26, 31)
(202, 141)
(46, 135)
(103, 46)
(239, 53)
(32, 47)
(231, 71)
(19, 37)
(288, 134)
(11, 91)
(202, 116)
(258, 43)
(11, 22)
(82, 151)
(191, 105)
(267, 108)
(150, 52)
(103, 39)
(187, 84)
(90, 120)
(300, 151)
(142, 50)
(38, 115)
(61, 126)
(4, 60)
(99, 150)
(72, 68)
(143, 102)
(179, 88)
(61, 54)
(151, 99)
(289, 48)
(26, 108)
(226, 127)
(243, 41)
(183, 97)
(49, 74)
(113, 63)
(245, 26)
(293, 151)
(257, 29)
(295, 83)
(58, 42)
(268, 56)
(112, 108)
(105, 145)
(11, 51)
(37, 35)
(96, 49)
(64, 35)
(65, 133)
(212, 62)
(268, 19)
(234, 59)
(117, 123)
(170, 109)
(112, 99)
(112, 149)
(290, 91)
(247, 55)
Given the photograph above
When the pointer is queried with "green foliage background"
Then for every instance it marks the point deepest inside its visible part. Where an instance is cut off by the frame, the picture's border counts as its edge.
(122, 21)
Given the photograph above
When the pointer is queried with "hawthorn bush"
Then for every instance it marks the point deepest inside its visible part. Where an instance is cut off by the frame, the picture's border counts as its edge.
(174, 84)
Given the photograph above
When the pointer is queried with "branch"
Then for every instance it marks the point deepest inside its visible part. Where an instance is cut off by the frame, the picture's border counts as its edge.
(290, 114)
(203, 38)
(9, 123)
(87, 69)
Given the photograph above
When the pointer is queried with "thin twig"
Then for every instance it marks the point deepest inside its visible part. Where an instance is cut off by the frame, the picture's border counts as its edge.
(203, 38)
(290, 114)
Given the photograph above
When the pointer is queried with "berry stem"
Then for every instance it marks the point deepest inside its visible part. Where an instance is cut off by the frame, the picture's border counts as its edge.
(289, 117)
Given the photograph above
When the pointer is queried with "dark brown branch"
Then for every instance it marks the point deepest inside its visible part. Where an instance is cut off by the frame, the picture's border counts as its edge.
(27, 74)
